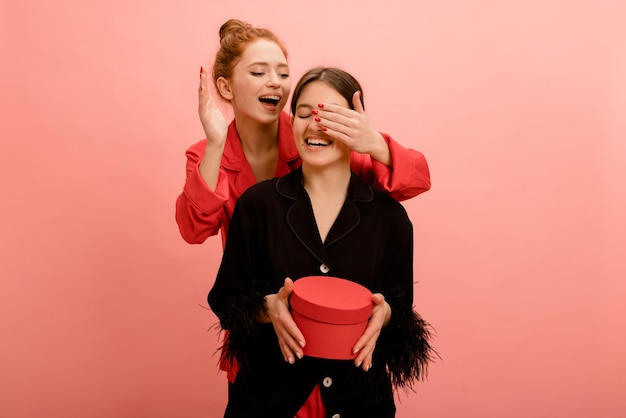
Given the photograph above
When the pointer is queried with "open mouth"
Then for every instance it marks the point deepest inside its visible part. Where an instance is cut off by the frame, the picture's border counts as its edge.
(318, 142)
(272, 100)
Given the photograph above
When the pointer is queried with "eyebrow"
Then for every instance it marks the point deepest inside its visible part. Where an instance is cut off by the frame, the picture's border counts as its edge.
(282, 64)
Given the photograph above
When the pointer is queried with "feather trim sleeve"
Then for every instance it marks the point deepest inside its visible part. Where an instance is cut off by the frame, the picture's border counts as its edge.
(238, 294)
(238, 316)
(405, 344)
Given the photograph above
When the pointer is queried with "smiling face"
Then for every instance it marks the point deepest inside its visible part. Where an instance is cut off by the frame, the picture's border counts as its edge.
(315, 147)
(259, 86)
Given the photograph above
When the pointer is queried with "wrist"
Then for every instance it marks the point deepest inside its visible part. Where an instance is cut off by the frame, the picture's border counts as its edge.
(263, 316)
(381, 152)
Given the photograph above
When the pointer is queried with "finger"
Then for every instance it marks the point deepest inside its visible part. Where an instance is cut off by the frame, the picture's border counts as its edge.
(288, 353)
(204, 80)
(290, 348)
(364, 359)
(374, 324)
(200, 79)
(284, 323)
(334, 112)
(203, 90)
(294, 333)
(357, 102)
(369, 333)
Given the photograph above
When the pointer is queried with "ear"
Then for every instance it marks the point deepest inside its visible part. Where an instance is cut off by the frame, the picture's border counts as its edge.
(223, 87)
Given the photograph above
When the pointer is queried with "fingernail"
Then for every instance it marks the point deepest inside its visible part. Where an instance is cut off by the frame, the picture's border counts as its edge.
(324, 129)
(320, 105)
(359, 364)
(355, 350)
(301, 343)
(299, 354)
(201, 71)
(314, 111)
(317, 119)
(290, 360)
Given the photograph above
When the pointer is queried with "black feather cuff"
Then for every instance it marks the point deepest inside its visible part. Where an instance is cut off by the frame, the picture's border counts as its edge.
(404, 345)
(240, 320)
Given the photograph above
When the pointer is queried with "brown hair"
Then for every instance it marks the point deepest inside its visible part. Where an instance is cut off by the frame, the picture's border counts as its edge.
(235, 35)
(340, 80)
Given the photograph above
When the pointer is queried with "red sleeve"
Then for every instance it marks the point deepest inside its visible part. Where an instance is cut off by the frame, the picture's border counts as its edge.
(200, 210)
(406, 178)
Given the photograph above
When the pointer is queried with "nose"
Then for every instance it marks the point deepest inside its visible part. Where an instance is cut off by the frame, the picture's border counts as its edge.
(274, 79)
(315, 125)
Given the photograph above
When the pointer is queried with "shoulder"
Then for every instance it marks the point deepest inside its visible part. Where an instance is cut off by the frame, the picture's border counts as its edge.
(388, 202)
(259, 192)
(376, 198)
(390, 210)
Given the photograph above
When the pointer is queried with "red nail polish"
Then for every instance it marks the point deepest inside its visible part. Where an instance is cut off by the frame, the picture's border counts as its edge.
(317, 119)
(320, 105)
(324, 129)
(314, 111)
(201, 71)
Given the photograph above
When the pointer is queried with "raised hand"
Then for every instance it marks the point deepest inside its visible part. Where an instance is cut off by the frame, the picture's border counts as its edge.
(212, 119)
(353, 129)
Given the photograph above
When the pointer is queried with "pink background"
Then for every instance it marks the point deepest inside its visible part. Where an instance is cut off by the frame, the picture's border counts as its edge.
(518, 106)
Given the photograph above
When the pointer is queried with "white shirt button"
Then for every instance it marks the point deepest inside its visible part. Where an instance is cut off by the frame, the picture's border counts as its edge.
(336, 416)
(327, 382)
(324, 268)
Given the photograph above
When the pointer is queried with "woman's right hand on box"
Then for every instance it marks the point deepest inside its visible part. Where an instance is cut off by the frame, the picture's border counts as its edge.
(290, 338)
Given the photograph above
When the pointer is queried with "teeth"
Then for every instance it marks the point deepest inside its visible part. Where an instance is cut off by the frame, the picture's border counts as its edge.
(317, 142)
(270, 99)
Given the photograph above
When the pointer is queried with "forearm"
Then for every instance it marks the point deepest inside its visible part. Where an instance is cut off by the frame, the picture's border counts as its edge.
(209, 167)
(381, 152)
(200, 209)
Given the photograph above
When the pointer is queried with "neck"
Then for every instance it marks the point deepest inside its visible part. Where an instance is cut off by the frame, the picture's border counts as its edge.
(256, 138)
(329, 181)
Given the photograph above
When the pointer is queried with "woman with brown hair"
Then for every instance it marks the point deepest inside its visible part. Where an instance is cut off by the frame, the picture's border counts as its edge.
(319, 219)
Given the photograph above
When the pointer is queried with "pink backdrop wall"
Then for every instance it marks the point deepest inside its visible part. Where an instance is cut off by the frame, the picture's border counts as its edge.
(520, 109)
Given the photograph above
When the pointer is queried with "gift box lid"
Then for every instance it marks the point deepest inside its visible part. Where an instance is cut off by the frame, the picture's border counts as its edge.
(331, 300)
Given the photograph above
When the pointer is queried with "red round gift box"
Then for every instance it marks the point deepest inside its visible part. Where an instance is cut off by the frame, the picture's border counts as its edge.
(331, 313)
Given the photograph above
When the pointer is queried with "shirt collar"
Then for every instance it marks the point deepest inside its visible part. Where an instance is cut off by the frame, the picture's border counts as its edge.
(291, 187)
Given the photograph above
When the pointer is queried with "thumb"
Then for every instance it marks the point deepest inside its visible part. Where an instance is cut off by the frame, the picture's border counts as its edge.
(287, 288)
(378, 299)
(288, 285)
